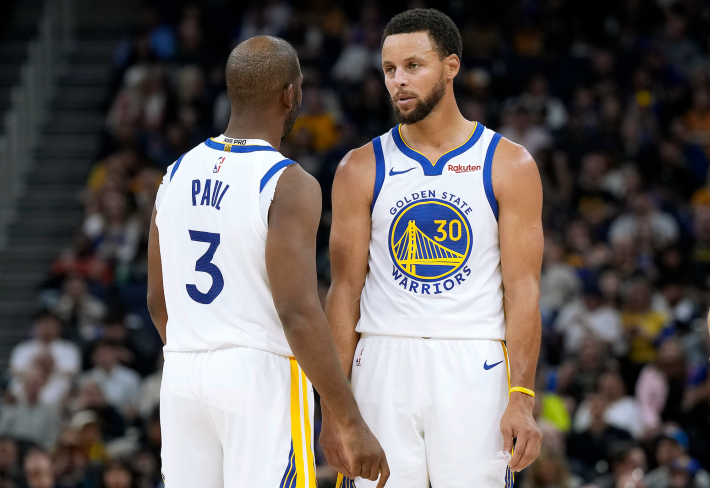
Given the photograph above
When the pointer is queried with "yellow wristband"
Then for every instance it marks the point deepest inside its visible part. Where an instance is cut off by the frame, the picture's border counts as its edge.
(522, 390)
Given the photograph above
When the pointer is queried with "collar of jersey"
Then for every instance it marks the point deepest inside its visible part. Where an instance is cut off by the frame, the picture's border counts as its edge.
(435, 168)
(250, 145)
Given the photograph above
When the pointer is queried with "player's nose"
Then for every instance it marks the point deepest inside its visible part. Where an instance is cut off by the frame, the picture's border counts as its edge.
(400, 77)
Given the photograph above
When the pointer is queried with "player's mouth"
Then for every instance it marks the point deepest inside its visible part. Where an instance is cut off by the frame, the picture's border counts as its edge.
(404, 100)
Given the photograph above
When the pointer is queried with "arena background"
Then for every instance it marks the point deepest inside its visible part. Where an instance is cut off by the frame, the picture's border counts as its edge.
(611, 97)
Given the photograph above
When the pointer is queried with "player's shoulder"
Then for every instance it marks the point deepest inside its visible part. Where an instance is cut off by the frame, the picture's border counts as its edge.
(513, 168)
(510, 156)
(357, 166)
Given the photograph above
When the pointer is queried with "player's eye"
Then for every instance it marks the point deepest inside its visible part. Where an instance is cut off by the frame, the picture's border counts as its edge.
(389, 69)
(414, 65)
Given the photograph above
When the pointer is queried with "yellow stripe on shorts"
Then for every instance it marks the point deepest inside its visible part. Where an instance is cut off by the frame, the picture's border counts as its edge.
(301, 429)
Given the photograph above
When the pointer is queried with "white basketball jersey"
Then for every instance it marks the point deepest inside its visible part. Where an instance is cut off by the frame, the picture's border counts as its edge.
(212, 213)
(434, 265)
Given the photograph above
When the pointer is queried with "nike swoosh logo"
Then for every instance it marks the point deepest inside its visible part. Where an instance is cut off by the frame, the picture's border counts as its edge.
(393, 172)
(487, 366)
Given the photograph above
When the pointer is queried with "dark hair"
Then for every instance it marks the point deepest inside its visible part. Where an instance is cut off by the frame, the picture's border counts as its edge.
(441, 29)
(45, 314)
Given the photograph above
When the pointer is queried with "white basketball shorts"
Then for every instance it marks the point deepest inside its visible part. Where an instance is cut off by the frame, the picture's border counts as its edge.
(236, 418)
(435, 406)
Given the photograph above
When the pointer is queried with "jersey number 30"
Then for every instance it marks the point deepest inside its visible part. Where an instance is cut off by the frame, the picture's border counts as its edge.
(205, 265)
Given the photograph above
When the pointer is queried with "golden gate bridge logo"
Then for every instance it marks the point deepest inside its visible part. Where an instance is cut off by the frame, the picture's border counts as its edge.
(430, 240)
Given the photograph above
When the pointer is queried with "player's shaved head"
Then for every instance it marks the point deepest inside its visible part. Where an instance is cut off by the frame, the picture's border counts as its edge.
(258, 70)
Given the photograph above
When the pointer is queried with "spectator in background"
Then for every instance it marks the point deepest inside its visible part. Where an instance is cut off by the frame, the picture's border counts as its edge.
(58, 359)
(79, 309)
(90, 397)
(150, 390)
(9, 461)
(594, 444)
(700, 251)
(673, 463)
(27, 418)
(114, 229)
(117, 475)
(39, 472)
(645, 219)
(559, 284)
(119, 384)
(86, 426)
(643, 326)
(520, 127)
(628, 464)
(579, 374)
(589, 316)
(550, 470)
(545, 108)
(622, 411)
(314, 119)
(661, 386)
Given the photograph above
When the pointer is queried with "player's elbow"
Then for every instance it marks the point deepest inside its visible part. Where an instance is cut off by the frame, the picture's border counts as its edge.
(296, 316)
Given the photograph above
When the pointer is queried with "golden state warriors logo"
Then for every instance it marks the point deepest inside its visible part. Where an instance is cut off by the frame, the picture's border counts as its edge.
(429, 242)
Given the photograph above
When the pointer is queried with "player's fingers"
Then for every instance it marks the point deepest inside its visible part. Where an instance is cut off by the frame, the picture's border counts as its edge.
(369, 470)
(532, 449)
(520, 445)
(340, 465)
(507, 437)
(336, 462)
(384, 473)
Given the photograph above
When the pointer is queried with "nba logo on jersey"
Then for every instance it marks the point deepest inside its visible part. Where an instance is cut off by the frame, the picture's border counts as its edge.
(218, 166)
(429, 242)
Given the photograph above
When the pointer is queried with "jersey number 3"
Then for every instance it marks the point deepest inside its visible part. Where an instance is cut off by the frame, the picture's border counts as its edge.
(205, 265)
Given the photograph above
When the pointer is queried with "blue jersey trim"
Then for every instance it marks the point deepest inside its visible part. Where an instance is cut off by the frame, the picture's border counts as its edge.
(236, 149)
(177, 165)
(435, 169)
(273, 170)
(488, 176)
(379, 170)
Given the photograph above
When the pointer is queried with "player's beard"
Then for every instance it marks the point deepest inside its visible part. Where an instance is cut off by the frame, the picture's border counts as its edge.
(291, 118)
(424, 107)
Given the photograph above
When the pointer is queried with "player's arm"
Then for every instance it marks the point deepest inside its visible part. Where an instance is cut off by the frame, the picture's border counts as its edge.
(353, 189)
(518, 190)
(291, 266)
(156, 296)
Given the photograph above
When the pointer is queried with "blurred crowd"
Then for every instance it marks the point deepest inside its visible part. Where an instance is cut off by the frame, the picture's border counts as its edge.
(611, 97)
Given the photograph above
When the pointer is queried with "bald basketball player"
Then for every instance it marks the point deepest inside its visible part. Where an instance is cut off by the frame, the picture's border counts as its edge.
(232, 291)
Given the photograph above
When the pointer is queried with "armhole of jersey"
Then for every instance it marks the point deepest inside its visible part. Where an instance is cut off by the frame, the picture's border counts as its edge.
(267, 188)
(177, 165)
(488, 176)
(379, 170)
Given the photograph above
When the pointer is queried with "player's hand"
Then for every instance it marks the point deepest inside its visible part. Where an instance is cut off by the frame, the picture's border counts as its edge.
(332, 443)
(364, 455)
(517, 422)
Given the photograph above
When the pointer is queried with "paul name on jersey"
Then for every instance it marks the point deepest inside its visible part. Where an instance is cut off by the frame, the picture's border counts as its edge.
(430, 242)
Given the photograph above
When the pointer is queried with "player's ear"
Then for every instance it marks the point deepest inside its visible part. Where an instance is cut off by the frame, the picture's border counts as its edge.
(453, 65)
(288, 97)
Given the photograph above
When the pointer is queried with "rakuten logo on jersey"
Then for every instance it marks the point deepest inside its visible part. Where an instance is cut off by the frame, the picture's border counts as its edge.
(457, 168)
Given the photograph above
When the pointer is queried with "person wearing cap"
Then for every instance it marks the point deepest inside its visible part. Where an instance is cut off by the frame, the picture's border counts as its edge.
(675, 467)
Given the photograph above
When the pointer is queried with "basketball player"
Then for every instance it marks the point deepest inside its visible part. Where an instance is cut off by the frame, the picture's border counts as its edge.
(232, 291)
(436, 249)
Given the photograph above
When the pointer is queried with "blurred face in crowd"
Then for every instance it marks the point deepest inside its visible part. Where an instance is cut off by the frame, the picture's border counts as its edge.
(667, 451)
(671, 359)
(117, 476)
(8, 454)
(38, 470)
(47, 329)
(415, 75)
(611, 386)
(105, 357)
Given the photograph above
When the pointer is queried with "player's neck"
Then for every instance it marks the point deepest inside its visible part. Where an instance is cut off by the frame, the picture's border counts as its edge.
(442, 130)
(243, 128)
